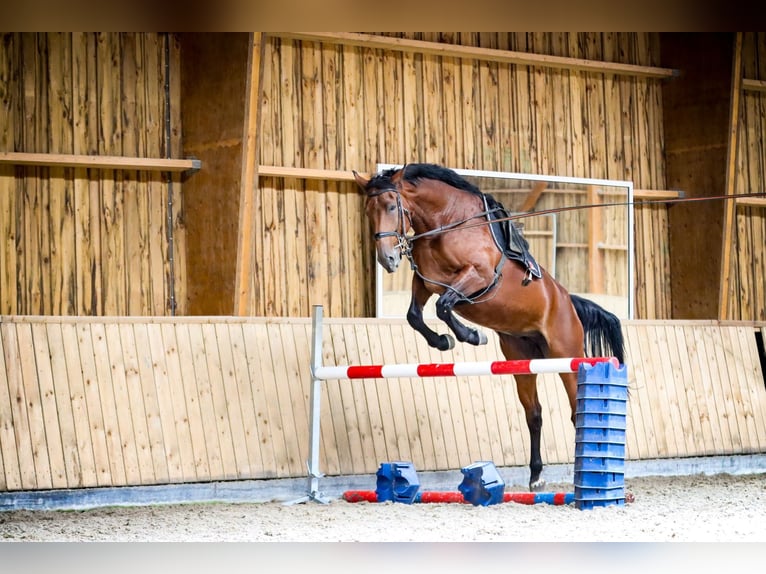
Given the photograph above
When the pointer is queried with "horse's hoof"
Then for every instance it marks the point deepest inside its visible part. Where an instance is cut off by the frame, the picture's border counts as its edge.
(537, 485)
(478, 338)
(482, 338)
(446, 342)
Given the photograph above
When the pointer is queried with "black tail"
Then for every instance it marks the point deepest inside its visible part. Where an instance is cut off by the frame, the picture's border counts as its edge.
(603, 332)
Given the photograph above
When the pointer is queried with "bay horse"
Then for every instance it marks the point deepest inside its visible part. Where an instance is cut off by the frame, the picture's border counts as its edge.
(482, 271)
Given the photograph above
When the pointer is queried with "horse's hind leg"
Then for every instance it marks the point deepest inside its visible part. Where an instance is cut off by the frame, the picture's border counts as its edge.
(526, 386)
(415, 317)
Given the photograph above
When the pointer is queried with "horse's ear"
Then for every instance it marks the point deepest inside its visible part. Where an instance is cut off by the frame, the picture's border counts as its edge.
(360, 180)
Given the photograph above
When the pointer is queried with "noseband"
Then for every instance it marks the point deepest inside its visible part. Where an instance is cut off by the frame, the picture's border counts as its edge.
(404, 243)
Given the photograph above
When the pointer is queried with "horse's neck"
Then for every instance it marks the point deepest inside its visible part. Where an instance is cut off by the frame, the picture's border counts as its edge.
(442, 207)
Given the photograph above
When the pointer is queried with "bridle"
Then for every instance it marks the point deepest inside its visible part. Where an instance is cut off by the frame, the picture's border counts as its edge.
(403, 241)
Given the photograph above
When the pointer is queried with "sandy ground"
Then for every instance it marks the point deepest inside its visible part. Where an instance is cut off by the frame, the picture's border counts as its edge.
(697, 508)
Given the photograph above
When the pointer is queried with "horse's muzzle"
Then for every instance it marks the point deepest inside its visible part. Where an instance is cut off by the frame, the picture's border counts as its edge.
(389, 259)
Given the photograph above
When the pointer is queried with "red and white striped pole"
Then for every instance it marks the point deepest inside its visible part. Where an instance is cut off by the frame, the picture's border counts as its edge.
(517, 367)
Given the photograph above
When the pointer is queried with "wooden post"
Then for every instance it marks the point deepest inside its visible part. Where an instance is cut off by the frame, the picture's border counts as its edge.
(249, 183)
(731, 164)
(595, 236)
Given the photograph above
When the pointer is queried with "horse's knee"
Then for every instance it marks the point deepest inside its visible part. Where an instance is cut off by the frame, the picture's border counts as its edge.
(443, 308)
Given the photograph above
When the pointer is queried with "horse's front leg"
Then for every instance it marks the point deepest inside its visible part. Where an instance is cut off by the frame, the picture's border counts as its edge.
(467, 281)
(420, 296)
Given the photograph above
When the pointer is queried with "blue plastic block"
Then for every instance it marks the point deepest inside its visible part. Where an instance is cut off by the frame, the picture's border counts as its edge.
(397, 482)
(599, 464)
(607, 449)
(589, 504)
(600, 420)
(602, 406)
(598, 434)
(602, 373)
(597, 479)
(588, 390)
(482, 484)
(588, 493)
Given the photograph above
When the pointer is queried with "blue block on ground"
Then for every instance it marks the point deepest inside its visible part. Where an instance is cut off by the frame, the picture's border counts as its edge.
(397, 482)
(482, 484)
(590, 504)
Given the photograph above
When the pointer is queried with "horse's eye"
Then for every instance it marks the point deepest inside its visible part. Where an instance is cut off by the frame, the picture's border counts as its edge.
(392, 208)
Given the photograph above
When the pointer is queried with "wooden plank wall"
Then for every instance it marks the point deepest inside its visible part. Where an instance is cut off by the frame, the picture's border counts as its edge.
(88, 402)
(78, 241)
(337, 107)
(747, 287)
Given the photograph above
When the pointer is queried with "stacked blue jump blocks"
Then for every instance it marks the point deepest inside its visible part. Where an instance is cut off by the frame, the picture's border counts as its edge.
(599, 470)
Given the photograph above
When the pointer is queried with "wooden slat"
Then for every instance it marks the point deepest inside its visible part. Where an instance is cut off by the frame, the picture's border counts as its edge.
(132, 393)
(724, 293)
(479, 53)
(387, 444)
(175, 444)
(17, 417)
(76, 378)
(45, 381)
(109, 407)
(176, 341)
(93, 403)
(164, 453)
(121, 418)
(99, 161)
(749, 84)
(751, 201)
(9, 453)
(244, 386)
(233, 402)
(163, 237)
(274, 431)
(209, 359)
(64, 407)
(250, 173)
(640, 440)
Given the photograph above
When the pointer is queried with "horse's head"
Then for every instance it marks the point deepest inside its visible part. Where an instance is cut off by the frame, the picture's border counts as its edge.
(386, 216)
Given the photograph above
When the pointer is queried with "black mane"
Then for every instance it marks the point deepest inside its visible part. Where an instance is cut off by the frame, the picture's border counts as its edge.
(414, 171)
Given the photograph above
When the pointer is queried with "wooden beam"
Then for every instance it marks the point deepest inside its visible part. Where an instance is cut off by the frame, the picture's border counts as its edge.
(754, 85)
(477, 53)
(595, 234)
(751, 201)
(99, 161)
(653, 194)
(533, 196)
(305, 173)
(249, 182)
(731, 165)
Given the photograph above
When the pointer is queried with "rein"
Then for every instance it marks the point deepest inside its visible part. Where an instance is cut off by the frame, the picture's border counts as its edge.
(445, 229)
